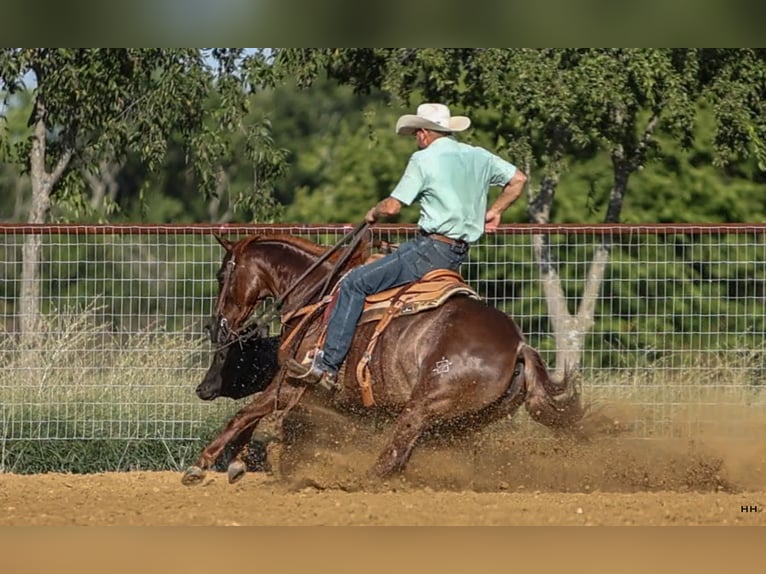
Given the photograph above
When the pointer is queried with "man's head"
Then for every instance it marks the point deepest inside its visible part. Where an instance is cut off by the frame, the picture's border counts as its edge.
(426, 137)
(431, 118)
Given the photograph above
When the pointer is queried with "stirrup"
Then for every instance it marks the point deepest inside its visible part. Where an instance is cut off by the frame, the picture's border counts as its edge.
(302, 372)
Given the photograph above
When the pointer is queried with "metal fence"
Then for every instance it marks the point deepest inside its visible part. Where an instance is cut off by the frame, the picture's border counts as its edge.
(679, 325)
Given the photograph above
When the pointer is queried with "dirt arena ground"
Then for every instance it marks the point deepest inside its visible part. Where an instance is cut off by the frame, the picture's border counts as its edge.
(495, 478)
(138, 499)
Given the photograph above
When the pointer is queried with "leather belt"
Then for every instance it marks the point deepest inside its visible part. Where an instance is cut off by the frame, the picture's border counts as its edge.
(442, 238)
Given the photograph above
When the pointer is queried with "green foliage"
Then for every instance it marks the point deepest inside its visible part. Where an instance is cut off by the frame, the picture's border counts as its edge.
(736, 81)
(351, 172)
(14, 184)
(683, 301)
(108, 104)
(557, 107)
(306, 134)
(681, 186)
(343, 157)
(664, 299)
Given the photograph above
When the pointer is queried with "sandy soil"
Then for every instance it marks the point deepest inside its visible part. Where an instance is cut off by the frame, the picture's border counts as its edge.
(159, 499)
(496, 478)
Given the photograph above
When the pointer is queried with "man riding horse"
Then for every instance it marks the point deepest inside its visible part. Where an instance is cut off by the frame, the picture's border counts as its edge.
(468, 364)
(450, 180)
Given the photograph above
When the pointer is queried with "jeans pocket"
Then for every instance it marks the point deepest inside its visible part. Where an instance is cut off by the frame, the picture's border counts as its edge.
(444, 256)
(457, 260)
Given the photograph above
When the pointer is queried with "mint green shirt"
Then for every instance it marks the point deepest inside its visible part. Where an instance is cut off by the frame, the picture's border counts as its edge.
(451, 181)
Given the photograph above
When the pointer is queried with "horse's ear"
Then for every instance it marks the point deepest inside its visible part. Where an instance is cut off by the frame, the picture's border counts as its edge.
(225, 243)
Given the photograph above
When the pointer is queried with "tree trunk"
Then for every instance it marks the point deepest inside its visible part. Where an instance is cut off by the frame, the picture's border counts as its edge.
(569, 330)
(42, 184)
(214, 203)
(104, 186)
(18, 205)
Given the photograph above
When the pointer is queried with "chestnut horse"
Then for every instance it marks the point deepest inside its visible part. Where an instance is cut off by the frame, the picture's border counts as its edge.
(461, 365)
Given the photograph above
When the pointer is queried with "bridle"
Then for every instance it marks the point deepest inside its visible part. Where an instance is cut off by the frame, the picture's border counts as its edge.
(256, 321)
(230, 264)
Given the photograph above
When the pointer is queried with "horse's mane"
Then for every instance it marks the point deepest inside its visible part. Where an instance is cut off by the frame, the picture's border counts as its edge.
(305, 246)
(296, 242)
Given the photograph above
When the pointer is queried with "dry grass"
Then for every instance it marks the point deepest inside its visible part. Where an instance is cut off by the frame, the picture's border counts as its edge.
(718, 397)
(79, 380)
(76, 380)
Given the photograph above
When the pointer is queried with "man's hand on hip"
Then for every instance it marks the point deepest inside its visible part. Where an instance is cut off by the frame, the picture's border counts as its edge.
(491, 221)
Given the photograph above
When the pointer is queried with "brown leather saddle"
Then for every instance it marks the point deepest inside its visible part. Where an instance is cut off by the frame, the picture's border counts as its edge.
(429, 292)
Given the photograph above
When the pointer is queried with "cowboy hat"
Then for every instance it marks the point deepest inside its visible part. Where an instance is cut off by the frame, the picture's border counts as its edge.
(434, 117)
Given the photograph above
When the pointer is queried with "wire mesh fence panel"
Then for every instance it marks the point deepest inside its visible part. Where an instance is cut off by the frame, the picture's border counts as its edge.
(117, 344)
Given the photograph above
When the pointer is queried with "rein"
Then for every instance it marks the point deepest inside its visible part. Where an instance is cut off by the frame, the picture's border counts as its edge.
(274, 310)
(356, 233)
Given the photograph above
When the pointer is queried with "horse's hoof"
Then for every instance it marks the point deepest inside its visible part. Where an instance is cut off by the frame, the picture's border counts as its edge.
(236, 471)
(274, 452)
(192, 476)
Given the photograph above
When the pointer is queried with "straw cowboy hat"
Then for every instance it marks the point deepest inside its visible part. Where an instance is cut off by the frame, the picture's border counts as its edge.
(434, 117)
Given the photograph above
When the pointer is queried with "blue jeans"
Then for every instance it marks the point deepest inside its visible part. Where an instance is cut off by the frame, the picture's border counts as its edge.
(408, 263)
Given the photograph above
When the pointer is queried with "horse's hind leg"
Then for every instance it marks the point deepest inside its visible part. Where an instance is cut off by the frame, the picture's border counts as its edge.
(450, 400)
(408, 427)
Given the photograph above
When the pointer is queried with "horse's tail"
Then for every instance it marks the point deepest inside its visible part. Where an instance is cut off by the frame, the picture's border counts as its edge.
(548, 402)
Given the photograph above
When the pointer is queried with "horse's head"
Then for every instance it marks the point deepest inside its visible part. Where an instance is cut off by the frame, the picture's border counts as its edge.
(241, 286)
(256, 268)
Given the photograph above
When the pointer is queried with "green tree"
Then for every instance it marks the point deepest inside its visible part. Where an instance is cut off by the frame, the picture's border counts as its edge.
(553, 104)
(92, 107)
(342, 152)
(14, 186)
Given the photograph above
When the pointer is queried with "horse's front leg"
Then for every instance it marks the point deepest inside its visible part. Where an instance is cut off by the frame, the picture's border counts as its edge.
(237, 467)
(272, 398)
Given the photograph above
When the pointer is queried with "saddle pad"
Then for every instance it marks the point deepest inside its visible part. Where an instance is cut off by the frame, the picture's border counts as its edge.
(429, 292)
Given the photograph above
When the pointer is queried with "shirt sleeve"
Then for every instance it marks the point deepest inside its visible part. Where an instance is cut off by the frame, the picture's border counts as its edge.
(411, 183)
(500, 171)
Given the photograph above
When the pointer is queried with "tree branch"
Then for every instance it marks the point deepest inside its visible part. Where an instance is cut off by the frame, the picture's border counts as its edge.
(61, 166)
(593, 281)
